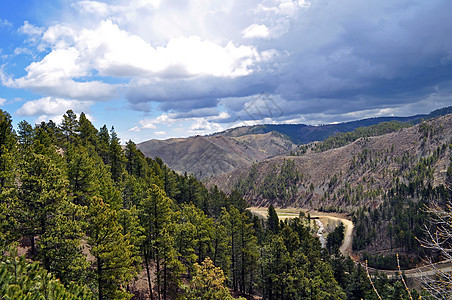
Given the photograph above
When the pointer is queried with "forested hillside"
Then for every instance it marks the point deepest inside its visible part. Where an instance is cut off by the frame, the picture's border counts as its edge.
(99, 221)
(384, 181)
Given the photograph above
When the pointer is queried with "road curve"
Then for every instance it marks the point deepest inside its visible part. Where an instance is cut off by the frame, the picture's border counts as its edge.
(290, 213)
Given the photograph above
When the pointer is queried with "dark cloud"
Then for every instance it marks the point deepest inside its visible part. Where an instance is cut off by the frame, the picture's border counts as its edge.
(337, 58)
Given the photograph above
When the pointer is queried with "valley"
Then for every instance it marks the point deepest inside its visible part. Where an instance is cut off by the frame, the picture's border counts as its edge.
(324, 218)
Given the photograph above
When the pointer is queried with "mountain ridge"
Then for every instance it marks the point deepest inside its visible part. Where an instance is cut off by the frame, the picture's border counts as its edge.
(367, 166)
(220, 153)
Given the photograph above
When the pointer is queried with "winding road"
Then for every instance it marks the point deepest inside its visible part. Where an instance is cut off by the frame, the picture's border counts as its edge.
(346, 248)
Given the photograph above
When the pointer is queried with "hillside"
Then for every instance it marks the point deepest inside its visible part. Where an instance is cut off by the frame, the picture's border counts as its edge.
(220, 153)
(355, 174)
(207, 156)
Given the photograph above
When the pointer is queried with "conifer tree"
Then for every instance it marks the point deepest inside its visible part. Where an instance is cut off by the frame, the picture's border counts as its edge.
(81, 174)
(8, 174)
(113, 253)
(207, 283)
(69, 126)
(157, 221)
(42, 191)
(60, 246)
(272, 220)
(104, 144)
(87, 132)
(25, 134)
(116, 158)
(135, 160)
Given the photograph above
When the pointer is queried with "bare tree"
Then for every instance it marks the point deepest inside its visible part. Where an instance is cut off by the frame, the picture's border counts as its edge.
(437, 281)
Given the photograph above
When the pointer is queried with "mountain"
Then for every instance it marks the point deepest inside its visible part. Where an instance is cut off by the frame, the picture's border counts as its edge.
(303, 134)
(206, 156)
(220, 153)
(353, 175)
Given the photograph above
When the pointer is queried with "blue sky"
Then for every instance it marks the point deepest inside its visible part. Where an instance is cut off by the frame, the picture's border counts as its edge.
(159, 69)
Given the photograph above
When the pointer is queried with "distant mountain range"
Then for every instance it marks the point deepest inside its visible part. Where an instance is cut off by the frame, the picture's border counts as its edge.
(303, 134)
(223, 152)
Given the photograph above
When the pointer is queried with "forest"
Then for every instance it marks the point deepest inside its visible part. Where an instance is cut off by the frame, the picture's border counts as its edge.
(83, 217)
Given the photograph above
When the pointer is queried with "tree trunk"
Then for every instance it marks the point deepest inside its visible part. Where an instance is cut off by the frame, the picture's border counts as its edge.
(99, 278)
(146, 261)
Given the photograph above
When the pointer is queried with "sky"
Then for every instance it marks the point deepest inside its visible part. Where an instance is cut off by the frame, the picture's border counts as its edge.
(161, 69)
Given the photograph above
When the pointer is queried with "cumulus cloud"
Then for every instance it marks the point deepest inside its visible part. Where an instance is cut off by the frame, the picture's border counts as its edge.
(110, 51)
(2, 101)
(52, 106)
(256, 31)
(30, 29)
(211, 61)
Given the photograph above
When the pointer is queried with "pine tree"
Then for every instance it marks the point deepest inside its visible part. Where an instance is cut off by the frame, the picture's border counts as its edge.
(157, 220)
(87, 132)
(42, 191)
(272, 220)
(81, 174)
(8, 173)
(113, 253)
(104, 144)
(135, 160)
(116, 158)
(20, 279)
(26, 134)
(60, 246)
(69, 126)
(207, 283)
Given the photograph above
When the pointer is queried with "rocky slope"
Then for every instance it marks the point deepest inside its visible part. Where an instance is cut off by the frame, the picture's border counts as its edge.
(356, 174)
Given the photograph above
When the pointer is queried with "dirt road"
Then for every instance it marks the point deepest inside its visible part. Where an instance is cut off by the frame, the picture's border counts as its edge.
(290, 213)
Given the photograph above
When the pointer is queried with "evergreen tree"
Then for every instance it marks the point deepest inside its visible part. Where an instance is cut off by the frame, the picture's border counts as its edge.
(87, 132)
(207, 283)
(25, 134)
(8, 174)
(69, 126)
(272, 220)
(20, 279)
(104, 144)
(113, 253)
(157, 221)
(135, 160)
(81, 174)
(116, 158)
(42, 191)
(60, 245)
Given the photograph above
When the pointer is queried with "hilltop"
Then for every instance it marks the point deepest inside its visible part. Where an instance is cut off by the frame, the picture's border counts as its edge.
(207, 156)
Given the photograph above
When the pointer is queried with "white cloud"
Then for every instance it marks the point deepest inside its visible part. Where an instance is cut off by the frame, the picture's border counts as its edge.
(160, 133)
(202, 126)
(115, 52)
(92, 7)
(111, 51)
(2, 101)
(30, 29)
(49, 106)
(255, 31)
(282, 7)
(5, 23)
(135, 129)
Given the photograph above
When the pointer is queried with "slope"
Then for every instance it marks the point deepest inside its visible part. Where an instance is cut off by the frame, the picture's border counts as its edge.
(207, 156)
(353, 175)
